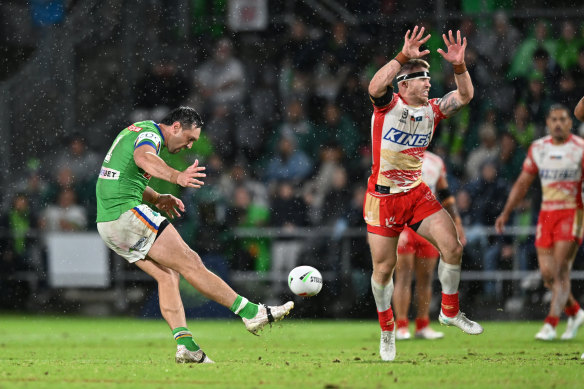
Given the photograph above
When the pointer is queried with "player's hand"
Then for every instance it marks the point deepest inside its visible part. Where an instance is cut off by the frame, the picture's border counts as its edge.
(454, 48)
(500, 223)
(170, 205)
(188, 177)
(413, 42)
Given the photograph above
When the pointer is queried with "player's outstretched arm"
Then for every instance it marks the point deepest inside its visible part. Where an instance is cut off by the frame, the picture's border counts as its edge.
(152, 164)
(517, 194)
(579, 110)
(453, 101)
(411, 49)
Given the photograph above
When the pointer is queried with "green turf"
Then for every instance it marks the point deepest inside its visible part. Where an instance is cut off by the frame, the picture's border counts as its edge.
(38, 352)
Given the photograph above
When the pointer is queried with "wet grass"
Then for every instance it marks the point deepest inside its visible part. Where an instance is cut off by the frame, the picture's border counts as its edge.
(67, 352)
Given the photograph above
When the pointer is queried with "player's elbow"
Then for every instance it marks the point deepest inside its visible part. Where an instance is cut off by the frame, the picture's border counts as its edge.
(467, 96)
(377, 88)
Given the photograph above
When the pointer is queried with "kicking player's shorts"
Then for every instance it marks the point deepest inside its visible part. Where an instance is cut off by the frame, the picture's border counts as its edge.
(557, 225)
(133, 233)
(388, 214)
(412, 243)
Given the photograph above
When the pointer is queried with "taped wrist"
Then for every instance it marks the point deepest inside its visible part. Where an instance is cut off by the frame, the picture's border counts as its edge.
(459, 69)
(401, 58)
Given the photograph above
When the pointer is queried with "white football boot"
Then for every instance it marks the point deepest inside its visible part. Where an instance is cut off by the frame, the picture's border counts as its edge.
(462, 322)
(574, 322)
(402, 333)
(387, 345)
(547, 332)
(183, 355)
(429, 333)
(267, 315)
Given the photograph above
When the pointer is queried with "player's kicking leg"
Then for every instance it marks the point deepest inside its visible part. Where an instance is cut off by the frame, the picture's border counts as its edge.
(439, 229)
(171, 251)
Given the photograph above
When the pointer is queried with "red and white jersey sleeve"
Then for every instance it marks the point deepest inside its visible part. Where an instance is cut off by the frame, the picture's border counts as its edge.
(400, 134)
(433, 169)
(560, 170)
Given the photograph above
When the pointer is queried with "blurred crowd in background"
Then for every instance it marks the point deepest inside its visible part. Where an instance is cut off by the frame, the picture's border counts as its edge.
(286, 138)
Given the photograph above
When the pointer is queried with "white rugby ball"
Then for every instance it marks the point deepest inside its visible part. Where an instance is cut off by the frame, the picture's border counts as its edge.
(305, 281)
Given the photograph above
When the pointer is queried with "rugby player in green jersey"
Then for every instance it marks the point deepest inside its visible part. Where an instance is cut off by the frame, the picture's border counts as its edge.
(146, 238)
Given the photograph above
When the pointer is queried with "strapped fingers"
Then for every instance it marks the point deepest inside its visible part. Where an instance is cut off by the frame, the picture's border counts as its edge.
(458, 40)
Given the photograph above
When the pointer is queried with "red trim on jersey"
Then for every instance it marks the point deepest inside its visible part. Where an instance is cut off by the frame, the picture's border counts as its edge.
(376, 133)
(438, 115)
(415, 151)
(398, 174)
(529, 164)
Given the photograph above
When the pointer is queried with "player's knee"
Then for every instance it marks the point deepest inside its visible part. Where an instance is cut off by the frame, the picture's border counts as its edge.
(383, 272)
(452, 252)
(169, 279)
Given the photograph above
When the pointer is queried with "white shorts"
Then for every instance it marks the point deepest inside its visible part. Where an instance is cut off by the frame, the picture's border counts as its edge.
(133, 233)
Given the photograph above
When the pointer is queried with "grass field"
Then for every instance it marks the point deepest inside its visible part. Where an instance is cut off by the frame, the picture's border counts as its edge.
(67, 352)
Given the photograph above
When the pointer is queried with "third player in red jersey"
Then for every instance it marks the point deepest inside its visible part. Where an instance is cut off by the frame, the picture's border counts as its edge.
(558, 159)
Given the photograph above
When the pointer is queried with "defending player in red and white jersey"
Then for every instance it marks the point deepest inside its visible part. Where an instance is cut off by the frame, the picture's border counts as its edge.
(402, 126)
(558, 159)
(416, 254)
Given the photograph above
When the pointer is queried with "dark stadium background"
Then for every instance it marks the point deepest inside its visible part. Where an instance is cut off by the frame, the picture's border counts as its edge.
(74, 73)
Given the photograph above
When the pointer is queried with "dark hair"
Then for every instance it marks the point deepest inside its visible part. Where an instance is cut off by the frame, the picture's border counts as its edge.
(556, 107)
(186, 116)
(411, 65)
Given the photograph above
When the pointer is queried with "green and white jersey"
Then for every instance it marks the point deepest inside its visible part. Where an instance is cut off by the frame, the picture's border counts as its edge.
(121, 182)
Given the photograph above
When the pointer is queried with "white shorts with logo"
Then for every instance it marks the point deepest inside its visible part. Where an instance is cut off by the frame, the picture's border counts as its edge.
(133, 233)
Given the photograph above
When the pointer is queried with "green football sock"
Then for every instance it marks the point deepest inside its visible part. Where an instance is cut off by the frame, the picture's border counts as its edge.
(183, 336)
(244, 308)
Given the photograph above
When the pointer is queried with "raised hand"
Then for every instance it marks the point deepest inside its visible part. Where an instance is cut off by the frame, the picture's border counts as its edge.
(170, 204)
(413, 42)
(188, 177)
(454, 48)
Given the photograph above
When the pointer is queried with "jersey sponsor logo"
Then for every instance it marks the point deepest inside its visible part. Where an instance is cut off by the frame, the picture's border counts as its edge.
(403, 138)
(135, 128)
(563, 174)
(109, 174)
